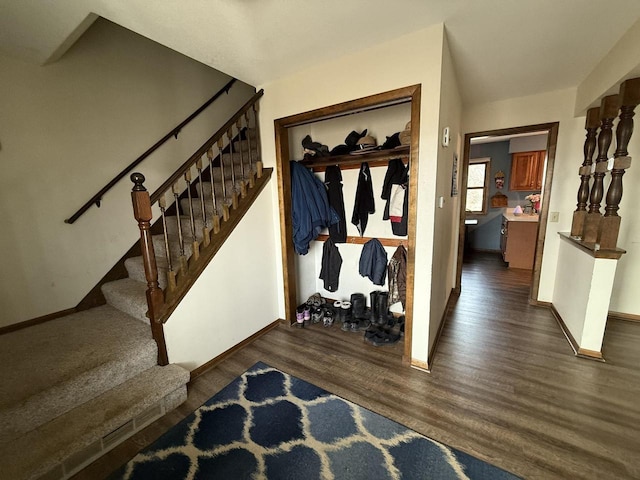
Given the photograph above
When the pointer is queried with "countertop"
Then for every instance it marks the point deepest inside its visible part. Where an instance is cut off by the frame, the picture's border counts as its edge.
(508, 214)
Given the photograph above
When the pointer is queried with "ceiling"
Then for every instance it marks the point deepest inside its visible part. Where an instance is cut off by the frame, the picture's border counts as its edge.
(500, 48)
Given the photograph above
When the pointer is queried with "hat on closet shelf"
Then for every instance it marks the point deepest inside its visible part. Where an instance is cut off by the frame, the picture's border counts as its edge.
(350, 143)
(365, 144)
(405, 135)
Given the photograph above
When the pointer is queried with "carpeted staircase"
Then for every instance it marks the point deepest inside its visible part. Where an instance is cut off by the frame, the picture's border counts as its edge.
(75, 387)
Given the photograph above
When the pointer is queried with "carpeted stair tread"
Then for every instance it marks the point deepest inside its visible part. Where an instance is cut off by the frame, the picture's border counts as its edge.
(135, 269)
(38, 451)
(67, 361)
(129, 296)
(174, 245)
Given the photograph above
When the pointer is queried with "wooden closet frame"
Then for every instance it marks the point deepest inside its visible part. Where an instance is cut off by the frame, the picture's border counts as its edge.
(410, 94)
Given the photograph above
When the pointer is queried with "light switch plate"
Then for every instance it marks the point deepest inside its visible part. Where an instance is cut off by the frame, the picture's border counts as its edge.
(554, 216)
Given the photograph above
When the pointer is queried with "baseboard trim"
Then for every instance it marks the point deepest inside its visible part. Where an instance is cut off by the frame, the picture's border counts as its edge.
(627, 317)
(577, 351)
(420, 365)
(213, 362)
(452, 296)
(590, 354)
(36, 321)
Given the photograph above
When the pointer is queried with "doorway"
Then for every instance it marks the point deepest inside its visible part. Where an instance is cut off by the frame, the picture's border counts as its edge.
(551, 130)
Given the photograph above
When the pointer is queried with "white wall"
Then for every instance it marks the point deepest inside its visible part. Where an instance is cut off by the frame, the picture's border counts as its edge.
(583, 307)
(412, 59)
(65, 130)
(446, 224)
(559, 106)
(233, 298)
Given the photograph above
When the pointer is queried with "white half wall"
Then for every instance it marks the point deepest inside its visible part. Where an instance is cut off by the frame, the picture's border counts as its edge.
(234, 297)
(581, 295)
(66, 129)
(415, 58)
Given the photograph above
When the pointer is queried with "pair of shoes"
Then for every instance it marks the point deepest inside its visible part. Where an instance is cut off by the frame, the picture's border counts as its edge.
(328, 317)
(300, 316)
(382, 338)
(317, 314)
(315, 300)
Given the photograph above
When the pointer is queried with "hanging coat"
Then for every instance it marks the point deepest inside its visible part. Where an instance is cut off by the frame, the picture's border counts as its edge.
(397, 270)
(333, 182)
(373, 262)
(331, 264)
(310, 209)
(395, 191)
(364, 203)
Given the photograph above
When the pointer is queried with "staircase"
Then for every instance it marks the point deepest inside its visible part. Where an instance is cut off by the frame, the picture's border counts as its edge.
(75, 387)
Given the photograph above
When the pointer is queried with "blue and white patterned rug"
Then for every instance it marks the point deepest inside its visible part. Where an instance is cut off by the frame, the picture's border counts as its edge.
(270, 425)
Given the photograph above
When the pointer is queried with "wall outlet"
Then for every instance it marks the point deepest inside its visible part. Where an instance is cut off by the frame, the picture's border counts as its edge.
(554, 216)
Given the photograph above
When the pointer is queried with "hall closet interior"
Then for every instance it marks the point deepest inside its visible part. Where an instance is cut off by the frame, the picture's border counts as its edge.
(382, 115)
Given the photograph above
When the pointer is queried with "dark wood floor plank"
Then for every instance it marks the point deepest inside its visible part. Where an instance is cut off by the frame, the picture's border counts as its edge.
(505, 385)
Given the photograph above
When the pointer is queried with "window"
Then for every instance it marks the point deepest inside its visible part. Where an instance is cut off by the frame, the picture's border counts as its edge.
(477, 185)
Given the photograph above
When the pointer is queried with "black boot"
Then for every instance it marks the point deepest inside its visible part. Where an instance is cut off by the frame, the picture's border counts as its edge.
(358, 306)
(383, 308)
(374, 306)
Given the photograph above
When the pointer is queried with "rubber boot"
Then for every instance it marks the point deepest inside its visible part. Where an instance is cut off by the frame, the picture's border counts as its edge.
(358, 306)
(383, 308)
(374, 306)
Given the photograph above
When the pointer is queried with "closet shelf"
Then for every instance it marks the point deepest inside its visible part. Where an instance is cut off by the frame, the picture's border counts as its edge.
(386, 242)
(377, 158)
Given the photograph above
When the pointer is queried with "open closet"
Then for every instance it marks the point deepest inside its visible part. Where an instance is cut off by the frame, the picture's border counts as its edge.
(382, 115)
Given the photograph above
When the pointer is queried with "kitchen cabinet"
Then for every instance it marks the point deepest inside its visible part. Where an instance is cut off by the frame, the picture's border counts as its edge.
(518, 240)
(527, 169)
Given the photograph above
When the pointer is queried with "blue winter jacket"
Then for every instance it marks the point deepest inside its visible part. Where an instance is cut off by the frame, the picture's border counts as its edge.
(310, 210)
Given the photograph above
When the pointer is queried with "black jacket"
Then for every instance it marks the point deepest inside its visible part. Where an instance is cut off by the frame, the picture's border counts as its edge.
(364, 203)
(331, 264)
(333, 182)
(397, 174)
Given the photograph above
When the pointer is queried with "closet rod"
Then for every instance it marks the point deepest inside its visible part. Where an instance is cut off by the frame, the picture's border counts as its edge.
(386, 242)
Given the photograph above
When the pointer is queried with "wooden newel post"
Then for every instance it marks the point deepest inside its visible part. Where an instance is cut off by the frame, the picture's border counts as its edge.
(592, 123)
(608, 112)
(155, 297)
(610, 226)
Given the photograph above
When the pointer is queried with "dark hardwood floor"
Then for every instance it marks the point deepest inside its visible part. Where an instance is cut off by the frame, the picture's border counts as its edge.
(505, 385)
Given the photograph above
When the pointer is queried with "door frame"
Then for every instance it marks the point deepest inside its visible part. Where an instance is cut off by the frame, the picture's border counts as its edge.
(410, 94)
(552, 140)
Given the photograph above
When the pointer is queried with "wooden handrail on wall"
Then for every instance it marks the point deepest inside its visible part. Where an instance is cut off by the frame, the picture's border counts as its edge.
(97, 198)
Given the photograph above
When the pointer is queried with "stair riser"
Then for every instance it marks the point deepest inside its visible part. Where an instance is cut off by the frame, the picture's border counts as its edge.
(135, 269)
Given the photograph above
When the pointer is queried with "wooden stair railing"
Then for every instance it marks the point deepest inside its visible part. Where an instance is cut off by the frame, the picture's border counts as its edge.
(590, 228)
(217, 197)
(97, 198)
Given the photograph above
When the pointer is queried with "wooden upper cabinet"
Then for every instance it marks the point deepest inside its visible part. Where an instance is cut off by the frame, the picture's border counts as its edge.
(527, 169)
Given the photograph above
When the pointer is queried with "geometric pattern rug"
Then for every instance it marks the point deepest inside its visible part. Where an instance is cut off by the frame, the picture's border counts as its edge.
(267, 424)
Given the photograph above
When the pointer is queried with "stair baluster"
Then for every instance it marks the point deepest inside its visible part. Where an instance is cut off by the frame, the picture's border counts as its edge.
(592, 123)
(610, 225)
(242, 172)
(171, 275)
(192, 220)
(206, 231)
(183, 258)
(608, 112)
(254, 108)
(252, 179)
(214, 201)
(155, 296)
